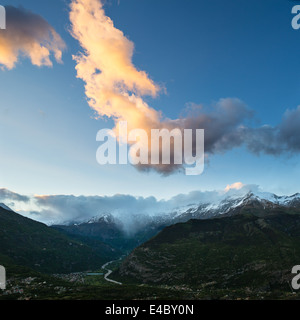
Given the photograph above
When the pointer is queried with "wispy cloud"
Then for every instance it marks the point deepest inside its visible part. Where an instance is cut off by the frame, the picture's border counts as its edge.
(236, 186)
(28, 34)
(7, 195)
(113, 84)
(275, 140)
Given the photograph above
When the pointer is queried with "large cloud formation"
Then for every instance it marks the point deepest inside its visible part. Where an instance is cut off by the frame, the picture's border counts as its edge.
(28, 34)
(115, 88)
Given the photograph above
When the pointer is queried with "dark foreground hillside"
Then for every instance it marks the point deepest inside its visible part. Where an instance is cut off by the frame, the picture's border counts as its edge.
(243, 251)
(28, 243)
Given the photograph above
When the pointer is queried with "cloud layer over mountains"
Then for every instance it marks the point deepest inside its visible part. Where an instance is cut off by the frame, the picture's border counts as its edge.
(127, 209)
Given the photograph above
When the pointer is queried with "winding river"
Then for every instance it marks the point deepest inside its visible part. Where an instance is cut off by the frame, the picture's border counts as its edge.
(109, 272)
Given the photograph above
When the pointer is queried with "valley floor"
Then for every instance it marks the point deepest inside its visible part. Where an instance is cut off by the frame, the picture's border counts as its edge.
(94, 286)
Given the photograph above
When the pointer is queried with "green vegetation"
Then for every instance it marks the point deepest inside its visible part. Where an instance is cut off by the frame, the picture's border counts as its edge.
(28, 243)
(111, 234)
(244, 253)
(244, 256)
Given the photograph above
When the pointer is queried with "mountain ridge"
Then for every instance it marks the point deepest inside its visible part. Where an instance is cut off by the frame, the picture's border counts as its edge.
(33, 244)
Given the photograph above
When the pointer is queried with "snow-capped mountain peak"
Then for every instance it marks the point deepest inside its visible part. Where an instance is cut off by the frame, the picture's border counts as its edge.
(228, 201)
(106, 218)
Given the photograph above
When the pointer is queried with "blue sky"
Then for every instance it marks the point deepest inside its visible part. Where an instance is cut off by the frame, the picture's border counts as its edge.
(200, 51)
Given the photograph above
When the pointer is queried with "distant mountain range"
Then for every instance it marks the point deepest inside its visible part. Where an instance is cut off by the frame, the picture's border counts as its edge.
(107, 226)
(109, 229)
(228, 205)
